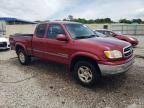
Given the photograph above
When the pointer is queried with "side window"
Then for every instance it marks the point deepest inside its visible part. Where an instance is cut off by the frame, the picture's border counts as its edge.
(41, 30)
(111, 34)
(107, 33)
(54, 30)
(101, 32)
(104, 32)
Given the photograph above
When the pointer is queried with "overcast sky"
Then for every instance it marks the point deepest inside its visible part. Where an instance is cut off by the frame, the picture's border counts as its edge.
(59, 9)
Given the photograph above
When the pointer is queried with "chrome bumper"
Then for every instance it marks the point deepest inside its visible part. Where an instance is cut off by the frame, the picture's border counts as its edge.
(115, 69)
(4, 45)
(4, 48)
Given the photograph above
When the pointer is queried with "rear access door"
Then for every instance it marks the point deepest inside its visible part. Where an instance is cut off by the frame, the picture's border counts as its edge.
(38, 46)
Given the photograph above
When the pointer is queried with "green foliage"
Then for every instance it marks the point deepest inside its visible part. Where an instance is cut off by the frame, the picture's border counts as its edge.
(91, 21)
(125, 21)
(139, 21)
(104, 20)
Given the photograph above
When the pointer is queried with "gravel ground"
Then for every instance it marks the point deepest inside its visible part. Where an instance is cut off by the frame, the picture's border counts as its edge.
(45, 84)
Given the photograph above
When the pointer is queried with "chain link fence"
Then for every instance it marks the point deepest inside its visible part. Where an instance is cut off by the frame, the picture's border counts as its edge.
(131, 29)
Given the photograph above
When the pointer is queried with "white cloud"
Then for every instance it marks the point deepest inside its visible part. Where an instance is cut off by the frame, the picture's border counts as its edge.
(140, 10)
(114, 9)
(59, 9)
(31, 9)
(139, 13)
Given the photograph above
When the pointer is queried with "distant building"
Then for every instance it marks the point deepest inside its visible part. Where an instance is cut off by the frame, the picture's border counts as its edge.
(10, 25)
(13, 21)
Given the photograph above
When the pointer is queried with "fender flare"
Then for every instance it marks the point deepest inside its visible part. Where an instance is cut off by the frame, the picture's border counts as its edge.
(84, 54)
(20, 44)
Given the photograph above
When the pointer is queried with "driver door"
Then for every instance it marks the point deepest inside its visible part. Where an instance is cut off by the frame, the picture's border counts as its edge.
(56, 50)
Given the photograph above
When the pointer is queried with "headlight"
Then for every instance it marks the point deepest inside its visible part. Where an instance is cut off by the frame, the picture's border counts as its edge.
(132, 39)
(114, 54)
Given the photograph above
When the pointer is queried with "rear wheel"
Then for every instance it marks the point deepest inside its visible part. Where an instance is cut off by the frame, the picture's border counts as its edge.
(87, 73)
(23, 58)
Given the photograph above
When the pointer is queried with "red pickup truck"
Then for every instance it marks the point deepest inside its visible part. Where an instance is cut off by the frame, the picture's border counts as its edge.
(89, 57)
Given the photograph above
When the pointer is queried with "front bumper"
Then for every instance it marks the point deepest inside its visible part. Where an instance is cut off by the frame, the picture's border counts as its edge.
(5, 47)
(115, 69)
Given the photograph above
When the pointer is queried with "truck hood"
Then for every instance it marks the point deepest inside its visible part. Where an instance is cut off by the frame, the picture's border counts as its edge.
(106, 43)
(127, 37)
(3, 39)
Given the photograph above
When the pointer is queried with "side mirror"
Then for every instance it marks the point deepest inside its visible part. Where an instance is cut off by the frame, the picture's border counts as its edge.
(61, 37)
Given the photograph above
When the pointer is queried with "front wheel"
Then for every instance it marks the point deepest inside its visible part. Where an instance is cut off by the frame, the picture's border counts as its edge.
(87, 73)
(23, 58)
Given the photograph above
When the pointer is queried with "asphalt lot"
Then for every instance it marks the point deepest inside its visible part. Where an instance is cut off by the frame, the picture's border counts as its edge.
(45, 84)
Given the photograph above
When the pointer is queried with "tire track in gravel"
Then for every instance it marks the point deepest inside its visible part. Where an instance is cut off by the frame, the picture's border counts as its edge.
(3, 62)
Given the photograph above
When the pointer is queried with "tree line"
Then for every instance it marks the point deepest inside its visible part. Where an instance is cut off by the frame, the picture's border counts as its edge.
(104, 20)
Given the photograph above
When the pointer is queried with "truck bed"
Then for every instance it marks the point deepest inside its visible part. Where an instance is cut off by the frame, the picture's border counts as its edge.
(19, 34)
(25, 39)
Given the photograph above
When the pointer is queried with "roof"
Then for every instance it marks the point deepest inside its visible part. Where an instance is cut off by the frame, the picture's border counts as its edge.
(8, 19)
(62, 22)
(102, 30)
(14, 19)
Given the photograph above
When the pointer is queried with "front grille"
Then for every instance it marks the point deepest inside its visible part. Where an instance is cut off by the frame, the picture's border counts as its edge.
(128, 51)
(3, 44)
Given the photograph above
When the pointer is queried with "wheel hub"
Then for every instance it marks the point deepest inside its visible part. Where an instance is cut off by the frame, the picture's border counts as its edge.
(85, 74)
(21, 57)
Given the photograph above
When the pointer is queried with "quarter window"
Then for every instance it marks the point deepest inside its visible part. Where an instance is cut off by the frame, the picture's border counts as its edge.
(41, 30)
(107, 33)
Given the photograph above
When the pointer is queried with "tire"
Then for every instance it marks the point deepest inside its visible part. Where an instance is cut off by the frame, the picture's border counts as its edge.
(86, 73)
(23, 58)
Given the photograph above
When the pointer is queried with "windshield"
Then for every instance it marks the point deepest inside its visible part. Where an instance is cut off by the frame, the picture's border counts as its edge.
(79, 31)
(118, 33)
(99, 34)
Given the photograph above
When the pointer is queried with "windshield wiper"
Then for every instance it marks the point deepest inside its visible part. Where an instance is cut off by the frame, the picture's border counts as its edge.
(92, 36)
(83, 37)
